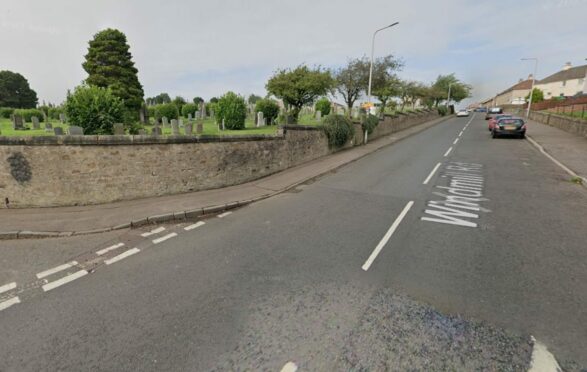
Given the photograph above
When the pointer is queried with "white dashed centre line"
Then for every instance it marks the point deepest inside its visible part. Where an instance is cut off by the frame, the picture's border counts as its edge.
(7, 287)
(224, 214)
(121, 256)
(6, 304)
(64, 280)
(197, 224)
(448, 151)
(387, 235)
(164, 238)
(289, 367)
(460, 134)
(431, 174)
(111, 248)
(153, 232)
(56, 269)
(455, 141)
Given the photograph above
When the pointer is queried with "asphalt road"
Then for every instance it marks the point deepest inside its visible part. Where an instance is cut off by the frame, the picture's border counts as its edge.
(488, 252)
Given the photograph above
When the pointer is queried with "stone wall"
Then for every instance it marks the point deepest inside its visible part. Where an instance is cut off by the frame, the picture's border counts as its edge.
(391, 124)
(81, 170)
(568, 124)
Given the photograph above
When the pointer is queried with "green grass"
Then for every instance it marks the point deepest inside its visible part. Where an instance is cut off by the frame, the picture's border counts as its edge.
(210, 128)
(308, 119)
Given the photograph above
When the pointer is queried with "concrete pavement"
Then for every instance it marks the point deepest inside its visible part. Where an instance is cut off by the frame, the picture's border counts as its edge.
(284, 280)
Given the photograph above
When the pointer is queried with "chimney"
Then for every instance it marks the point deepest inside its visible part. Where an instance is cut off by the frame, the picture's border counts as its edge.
(519, 81)
(530, 77)
(567, 66)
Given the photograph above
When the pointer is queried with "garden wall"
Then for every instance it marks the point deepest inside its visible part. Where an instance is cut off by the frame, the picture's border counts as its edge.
(81, 170)
(568, 124)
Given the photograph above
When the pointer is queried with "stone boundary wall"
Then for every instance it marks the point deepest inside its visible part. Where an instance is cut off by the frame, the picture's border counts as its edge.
(81, 170)
(572, 125)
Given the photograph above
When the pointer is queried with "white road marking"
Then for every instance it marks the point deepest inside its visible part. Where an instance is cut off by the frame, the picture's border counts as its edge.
(153, 232)
(431, 174)
(56, 269)
(197, 224)
(64, 280)
(455, 142)
(111, 248)
(460, 134)
(6, 304)
(224, 214)
(164, 238)
(289, 367)
(121, 256)
(542, 359)
(387, 235)
(7, 287)
(448, 151)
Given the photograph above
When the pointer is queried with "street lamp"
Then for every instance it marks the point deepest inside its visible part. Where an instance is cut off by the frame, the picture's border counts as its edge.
(372, 51)
(533, 80)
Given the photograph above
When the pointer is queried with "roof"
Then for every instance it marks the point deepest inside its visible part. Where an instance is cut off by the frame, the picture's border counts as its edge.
(572, 73)
(522, 85)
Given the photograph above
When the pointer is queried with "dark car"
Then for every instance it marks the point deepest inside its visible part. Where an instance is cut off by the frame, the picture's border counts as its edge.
(509, 127)
(481, 109)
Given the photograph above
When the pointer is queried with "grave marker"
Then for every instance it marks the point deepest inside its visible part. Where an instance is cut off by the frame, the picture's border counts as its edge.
(260, 119)
(174, 127)
(76, 131)
(17, 122)
(164, 121)
(58, 131)
(118, 129)
(35, 121)
(199, 128)
(188, 129)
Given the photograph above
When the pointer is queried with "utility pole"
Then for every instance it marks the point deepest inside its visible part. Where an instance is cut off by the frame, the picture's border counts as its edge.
(372, 53)
(533, 81)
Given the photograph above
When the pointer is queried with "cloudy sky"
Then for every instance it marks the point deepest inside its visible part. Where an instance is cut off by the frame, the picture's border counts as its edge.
(205, 48)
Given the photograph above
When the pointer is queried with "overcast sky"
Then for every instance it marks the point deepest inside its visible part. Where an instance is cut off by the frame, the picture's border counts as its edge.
(205, 48)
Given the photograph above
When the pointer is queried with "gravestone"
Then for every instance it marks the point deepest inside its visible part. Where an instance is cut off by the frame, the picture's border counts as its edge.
(164, 121)
(203, 110)
(17, 122)
(188, 129)
(223, 127)
(260, 119)
(199, 128)
(142, 115)
(48, 127)
(156, 131)
(62, 118)
(198, 114)
(142, 132)
(190, 116)
(212, 114)
(35, 121)
(174, 127)
(318, 115)
(45, 117)
(118, 129)
(76, 131)
(58, 131)
(180, 122)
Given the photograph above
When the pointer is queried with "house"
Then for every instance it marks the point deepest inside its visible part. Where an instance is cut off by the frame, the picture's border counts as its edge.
(565, 83)
(516, 94)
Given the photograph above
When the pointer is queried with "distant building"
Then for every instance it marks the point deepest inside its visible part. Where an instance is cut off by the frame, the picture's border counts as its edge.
(516, 94)
(567, 82)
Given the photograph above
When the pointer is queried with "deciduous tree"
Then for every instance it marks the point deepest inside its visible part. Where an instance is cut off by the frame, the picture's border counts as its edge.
(15, 91)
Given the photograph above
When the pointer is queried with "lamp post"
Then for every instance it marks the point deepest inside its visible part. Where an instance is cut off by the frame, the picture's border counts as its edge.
(371, 66)
(533, 80)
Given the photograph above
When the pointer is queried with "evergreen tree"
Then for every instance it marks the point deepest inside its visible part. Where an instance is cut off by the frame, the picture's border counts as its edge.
(15, 91)
(109, 65)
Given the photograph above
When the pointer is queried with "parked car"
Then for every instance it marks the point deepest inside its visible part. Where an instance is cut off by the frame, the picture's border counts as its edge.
(462, 113)
(481, 109)
(509, 127)
(493, 111)
(494, 120)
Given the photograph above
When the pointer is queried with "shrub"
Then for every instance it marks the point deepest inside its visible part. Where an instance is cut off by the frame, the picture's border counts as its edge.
(323, 105)
(189, 108)
(269, 108)
(151, 111)
(169, 110)
(339, 130)
(5, 112)
(442, 110)
(232, 108)
(369, 124)
(27, 114)
(55, 111)
(95, 109)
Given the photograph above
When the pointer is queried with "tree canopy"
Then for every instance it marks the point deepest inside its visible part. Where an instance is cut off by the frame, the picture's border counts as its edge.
(537, 96)
(15, 91)
(300, 86)
(158, 99)
(458, 90)
(109, 65)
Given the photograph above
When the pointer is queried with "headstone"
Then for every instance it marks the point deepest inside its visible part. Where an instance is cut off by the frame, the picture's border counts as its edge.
(188, 129)
(180, 122)
(17, 122)
(199, 128)
(174, 127)
(62, 118)
(164, 121)
(45, 117)
(260, 119)
(318, 115)
(76, 131)
(48, 127)
(203, 110)
(156, 131)
(142, 132)
(35, 121)
(198, 114)
(142, 115)
(223, 127)
(118, 129)
(190, 116)
(58, 131)
(212, 114)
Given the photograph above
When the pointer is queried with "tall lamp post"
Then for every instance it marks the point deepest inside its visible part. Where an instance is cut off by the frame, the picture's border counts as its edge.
(372, 51)
(533, 80)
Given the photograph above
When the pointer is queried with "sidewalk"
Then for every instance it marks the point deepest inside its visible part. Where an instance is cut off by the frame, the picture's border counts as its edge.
(567, 148)
(65, 221)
